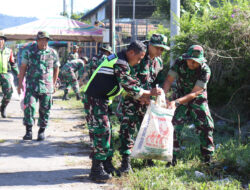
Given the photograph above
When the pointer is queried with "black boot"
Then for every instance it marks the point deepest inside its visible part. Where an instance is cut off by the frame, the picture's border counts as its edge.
(148, 162)
(78, 97)
(109, 168)
(207, 159)
(125, 167)
(66, 95)
(40, 136)
(97, 172)
(3, 113)
(173, 163)
(28, 135)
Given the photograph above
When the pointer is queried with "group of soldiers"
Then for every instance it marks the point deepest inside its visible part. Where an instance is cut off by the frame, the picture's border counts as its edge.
(132, 73)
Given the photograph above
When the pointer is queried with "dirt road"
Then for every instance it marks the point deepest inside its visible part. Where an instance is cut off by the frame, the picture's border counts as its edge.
(59, 162)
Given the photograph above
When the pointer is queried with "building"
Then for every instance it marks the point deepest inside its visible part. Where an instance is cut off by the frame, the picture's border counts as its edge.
(127, 29)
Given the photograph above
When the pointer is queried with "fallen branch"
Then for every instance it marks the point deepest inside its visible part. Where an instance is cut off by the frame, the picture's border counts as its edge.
(222, 118)
(242, 87)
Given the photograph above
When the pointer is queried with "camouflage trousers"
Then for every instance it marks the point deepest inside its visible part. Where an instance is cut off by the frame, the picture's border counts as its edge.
(30, 100)
(5, 82)
(100, 130)
(133, 113)
(197, 110)
(70, 79)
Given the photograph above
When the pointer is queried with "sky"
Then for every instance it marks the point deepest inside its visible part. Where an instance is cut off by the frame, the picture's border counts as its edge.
(43, 8)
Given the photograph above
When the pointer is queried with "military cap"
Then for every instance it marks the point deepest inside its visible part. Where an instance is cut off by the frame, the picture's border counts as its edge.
(75, 46)
(196, 53)
(159, 40)
(85, 58)
(106, 47)
(43, 34)
(2, 36)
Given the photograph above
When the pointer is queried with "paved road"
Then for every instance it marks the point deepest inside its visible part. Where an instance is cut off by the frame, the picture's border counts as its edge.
(60, 162)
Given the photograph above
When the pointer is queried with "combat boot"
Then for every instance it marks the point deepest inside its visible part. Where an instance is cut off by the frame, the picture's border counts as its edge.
(3, 113)
(40, 136)
(28, 135)
(109, 168)
(125, 166)
(97, 172)
(173, 163)
(78, 97)
(207, 159)
(66, 95)
(149, 162)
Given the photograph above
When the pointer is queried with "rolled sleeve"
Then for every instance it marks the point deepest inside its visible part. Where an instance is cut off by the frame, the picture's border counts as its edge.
(25, 58)
(201, 84)
(138, 95)
(130, 84)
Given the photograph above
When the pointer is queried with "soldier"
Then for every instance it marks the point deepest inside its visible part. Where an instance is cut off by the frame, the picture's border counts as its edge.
(74, 55)
(104, 51)
(132, 109)
(7, 63)
(40, 64)
(106, 83)
(68, 76)
(192, 75)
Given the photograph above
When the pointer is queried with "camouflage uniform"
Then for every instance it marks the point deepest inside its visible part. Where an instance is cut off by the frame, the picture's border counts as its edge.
(73, 55)
(94, 63)
(98, 59)
(7, 63)
(197, 109)
(39, 83)
(96, 109)
(5, 79)
(132, 111)
(68, 75)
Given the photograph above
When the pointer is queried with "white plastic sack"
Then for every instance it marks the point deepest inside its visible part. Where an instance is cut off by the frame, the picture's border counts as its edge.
(15, 95)
(22, 95)
(155, 137)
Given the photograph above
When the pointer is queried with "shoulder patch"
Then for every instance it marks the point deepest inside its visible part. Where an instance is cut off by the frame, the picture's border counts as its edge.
(111, 57)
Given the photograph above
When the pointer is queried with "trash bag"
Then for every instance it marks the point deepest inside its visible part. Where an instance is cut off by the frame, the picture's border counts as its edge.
(155, 137)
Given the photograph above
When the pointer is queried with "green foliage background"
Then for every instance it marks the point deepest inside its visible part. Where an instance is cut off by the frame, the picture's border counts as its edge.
(223, 29)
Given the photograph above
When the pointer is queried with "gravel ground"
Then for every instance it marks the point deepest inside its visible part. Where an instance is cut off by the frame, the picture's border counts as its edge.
(59, 162)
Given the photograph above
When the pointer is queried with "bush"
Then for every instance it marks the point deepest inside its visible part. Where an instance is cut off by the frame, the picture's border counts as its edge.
(224, 33)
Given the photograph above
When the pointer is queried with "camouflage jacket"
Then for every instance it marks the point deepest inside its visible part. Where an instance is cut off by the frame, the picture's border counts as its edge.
(73, 56)
(103, 83)
(186, 79)
(74, 65)
(147, 71)
(94, 63)
(124, 73)
(40, 66)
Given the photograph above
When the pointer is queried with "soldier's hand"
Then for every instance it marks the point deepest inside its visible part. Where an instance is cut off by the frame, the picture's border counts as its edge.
(54, 90)
(171, 105)
(155, 91)
(145, 100)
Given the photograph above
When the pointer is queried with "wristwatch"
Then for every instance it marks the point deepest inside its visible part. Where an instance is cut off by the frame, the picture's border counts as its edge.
(177, 103)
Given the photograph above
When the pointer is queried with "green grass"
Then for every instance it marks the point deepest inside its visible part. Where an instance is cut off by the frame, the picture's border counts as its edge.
(231, 161)
(72, 103)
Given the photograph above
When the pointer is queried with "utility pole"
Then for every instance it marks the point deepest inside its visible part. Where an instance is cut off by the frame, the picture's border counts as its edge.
(112, 25)
(72, 7)
(64, 7)
(133, 24)
(174, 25)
